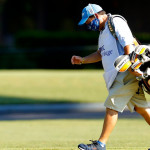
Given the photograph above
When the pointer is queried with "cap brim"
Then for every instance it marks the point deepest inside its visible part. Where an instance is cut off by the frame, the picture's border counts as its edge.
(83, 20)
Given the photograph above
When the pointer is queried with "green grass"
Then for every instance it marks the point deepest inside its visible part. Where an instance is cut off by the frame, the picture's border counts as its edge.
(131, 134)
(44, 86)
(48, 86)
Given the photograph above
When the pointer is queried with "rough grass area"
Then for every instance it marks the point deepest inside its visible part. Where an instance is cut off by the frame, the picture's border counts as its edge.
(52, 86)
(129, 134)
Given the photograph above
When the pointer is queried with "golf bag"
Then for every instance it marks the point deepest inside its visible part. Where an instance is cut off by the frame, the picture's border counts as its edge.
(139, 60)
(144, 80)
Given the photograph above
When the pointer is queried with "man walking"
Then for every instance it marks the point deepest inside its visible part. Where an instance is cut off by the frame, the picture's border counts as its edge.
(122, 87)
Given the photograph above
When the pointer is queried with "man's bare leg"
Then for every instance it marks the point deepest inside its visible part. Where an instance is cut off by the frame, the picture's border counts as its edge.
(144, 112)
(109, 124)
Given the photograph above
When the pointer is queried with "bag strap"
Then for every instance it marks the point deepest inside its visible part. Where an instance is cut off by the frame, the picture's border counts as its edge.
(111, 27)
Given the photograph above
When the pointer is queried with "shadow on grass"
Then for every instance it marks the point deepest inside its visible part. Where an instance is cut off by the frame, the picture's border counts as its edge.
(11, 110)
(19, 100)
(15, 108)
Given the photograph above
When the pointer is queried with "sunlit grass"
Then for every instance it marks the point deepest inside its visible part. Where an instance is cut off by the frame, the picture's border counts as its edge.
(131, 134)
(46, 86)
(52, 86)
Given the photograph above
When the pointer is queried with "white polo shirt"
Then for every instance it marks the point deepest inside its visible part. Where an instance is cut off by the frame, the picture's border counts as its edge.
(110, 48)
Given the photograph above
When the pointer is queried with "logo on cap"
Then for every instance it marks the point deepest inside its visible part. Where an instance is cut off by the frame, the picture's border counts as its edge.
(91, 11)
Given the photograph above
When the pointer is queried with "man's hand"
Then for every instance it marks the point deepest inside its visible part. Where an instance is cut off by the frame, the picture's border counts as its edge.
(136, 73)
(76, 60)
(92, 58)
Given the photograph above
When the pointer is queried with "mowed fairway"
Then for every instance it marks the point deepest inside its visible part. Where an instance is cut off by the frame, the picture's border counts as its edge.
(52, 86)
(46, 86)
(129, 134)
(60, 86)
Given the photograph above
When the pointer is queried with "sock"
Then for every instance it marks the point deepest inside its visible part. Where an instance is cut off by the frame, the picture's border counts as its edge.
(101, 144)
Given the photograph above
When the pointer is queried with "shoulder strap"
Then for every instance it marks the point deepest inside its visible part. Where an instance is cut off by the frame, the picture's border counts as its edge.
(112, 28)
(111, 24)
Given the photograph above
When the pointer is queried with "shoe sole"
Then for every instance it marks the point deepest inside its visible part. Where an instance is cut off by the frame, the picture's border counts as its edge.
(81, 148)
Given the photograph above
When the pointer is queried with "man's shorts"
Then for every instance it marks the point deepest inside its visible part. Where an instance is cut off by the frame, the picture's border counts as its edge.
(124, 93)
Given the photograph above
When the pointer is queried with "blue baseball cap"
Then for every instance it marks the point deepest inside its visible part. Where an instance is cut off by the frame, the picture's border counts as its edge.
(88, 11)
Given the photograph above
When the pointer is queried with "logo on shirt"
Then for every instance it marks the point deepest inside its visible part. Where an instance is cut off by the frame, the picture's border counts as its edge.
(105, 52)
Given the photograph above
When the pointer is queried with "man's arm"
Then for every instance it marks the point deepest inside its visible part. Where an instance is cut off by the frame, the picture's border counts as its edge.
(128, 49)
(92, 58)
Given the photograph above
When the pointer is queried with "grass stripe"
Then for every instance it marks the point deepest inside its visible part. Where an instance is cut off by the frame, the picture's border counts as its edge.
(52, 86)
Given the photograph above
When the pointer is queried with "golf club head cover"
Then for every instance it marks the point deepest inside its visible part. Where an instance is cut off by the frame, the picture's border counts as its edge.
(142, 56)
(142, 50)
(122, 63)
